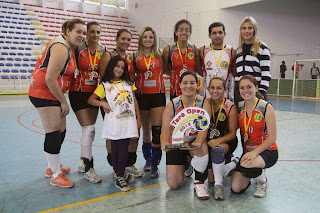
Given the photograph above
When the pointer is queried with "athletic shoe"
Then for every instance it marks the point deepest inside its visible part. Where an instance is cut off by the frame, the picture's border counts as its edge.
(154, 172)
(64, 170)
(128, 178)
(62, 181)
(218, 193)
(201, 190)
(92, 176)
(122, 184)
(132, 170)
(147, 166)
(189, 171)
(261, 189)
(81, 168)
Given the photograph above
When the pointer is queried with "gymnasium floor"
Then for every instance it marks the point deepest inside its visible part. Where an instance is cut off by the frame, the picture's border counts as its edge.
(293, 180)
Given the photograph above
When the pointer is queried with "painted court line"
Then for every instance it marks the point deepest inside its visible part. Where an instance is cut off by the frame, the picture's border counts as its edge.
(101, 198)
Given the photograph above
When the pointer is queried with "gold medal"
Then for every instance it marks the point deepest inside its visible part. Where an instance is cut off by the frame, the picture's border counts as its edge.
(214, 133)
(246, 125)
(245, 137)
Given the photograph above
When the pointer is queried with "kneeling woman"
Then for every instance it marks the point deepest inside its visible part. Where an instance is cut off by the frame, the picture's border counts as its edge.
(176, 159)
(221, 137)
(257, 121)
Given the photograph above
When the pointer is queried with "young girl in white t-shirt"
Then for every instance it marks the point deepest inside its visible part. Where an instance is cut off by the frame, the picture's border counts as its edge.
(122, 119)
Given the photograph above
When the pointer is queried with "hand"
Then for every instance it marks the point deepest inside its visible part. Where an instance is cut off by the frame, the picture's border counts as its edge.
(64, 109)
(213, 143)
(196, 144)
(247, 159)
(106, 107)
(163, 145)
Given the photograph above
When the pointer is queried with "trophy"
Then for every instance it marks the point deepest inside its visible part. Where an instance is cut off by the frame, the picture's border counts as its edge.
(186, 125)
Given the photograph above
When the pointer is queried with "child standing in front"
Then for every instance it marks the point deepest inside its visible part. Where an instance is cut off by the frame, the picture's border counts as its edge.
(122, 119)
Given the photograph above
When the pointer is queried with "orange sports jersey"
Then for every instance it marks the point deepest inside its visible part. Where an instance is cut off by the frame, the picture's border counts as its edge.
(257, 131)
(148, 82)
(38, 86)
(87, 80)
(114, 52)
(176, 65)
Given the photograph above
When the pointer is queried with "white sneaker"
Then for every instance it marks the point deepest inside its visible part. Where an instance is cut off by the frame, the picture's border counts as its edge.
(81, 168)
(261, 189)
(218, 193)
(92, 176)
(132, 170)
(201, 190)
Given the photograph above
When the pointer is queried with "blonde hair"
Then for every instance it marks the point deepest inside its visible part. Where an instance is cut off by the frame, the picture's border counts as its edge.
(154, 49)
(256, 40)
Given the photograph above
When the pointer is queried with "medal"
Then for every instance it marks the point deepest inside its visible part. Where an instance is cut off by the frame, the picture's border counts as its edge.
(123, 93)
(214, 55)
(184, 62)
(147, 75)
(93, 75)
(182, 71)
(92, 64)
(214, 133)
(76, 73)
(246, 126)
(245, 137)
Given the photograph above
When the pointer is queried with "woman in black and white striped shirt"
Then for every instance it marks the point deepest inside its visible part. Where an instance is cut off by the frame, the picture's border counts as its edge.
(253, 57)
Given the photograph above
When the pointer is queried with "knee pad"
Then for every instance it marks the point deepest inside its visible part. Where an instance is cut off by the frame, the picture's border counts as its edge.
(88, 133)
(217, 155)
(109, 159)
(63, 135)
(52, 142)
(200, 163)
(156, 132)
(250, 172)
(132, 158)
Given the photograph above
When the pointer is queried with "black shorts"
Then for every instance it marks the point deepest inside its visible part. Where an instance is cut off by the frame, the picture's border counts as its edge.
(79, 100)
(39, 102)
(232, 146)
(177, 157)
(149, 101)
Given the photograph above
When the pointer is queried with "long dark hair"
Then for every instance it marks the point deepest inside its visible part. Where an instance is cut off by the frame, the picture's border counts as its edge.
(109, 75)
(189, 73)
(255, 83)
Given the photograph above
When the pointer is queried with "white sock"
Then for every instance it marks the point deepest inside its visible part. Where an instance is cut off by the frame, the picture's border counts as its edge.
(262, 177)
(54, 162)
(200, 163)
(86, 151)
(218, 170)
(228, 167)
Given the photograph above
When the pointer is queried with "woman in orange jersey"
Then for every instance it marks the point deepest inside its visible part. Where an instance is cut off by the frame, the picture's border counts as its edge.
(257, 122)
(91, 58)
(180, 56)
(54, 71)
(123, 40)
(151, 97)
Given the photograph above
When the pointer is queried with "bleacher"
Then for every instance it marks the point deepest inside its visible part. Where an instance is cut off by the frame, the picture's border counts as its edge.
(25, 28)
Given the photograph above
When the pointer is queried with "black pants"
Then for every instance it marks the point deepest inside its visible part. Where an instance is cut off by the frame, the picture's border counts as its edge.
(119, 155)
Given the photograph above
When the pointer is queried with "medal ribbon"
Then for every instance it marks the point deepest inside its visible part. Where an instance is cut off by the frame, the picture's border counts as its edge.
(185, 56)
(149, 63)
(214, 55)
(214, 119)
(122, 94)
(93, 65)
(246, 127)
(193, 104)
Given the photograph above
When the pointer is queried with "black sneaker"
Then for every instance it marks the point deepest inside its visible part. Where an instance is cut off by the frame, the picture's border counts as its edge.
(122, 184)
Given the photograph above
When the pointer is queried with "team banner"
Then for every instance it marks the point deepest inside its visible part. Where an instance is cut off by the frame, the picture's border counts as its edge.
(186, 125)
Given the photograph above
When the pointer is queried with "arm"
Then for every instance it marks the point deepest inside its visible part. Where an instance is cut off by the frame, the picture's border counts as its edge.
(166, 127)
(198, 62)
(136, 107)
(233, 62)
(165, 62)
(94, 100)
(272, 136)
(265, 70)
(58, 57)
(104, 63)
(233, 126)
